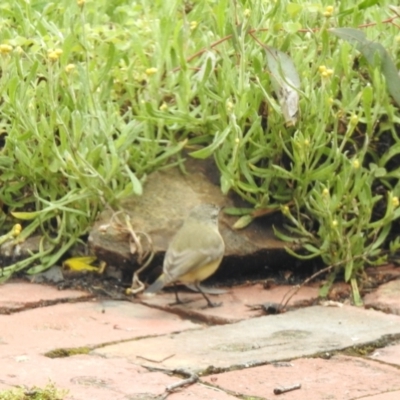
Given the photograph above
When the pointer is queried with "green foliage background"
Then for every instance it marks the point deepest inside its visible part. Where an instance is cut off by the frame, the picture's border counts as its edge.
(138, 81)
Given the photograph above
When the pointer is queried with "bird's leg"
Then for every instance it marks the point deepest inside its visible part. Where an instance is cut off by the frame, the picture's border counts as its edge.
(209, 302)
(177, 299)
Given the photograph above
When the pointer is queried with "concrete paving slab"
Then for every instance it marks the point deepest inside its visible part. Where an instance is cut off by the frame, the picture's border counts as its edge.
(271, 338)
(386, 298)
(20, 295)
(83, 324)
(339, 378)
(388, 354)
(240, 302)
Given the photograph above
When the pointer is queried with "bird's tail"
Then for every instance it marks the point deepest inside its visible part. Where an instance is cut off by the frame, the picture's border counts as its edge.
(157, 285)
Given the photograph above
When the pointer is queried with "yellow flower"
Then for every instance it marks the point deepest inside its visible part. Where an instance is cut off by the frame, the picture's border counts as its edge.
(164, 106)
(54, 55)
(395, 201)
(325, 192)
(285, 210)
(335, 223)
(229, 106)
(193, 25)
(354, 120)
(356, 164)
(328, 11)
(325, 72)
(151, 71)
(5, 48)
(247, 12)
(69, 68)
(80, 2)
(17, 228)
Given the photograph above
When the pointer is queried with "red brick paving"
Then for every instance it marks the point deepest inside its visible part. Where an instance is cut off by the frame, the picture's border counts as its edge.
(241, 302)
(25, 336)
(385, 298)
(339, 378)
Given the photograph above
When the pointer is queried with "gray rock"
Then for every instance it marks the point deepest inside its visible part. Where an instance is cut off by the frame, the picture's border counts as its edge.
(53, 274)
(168, 196)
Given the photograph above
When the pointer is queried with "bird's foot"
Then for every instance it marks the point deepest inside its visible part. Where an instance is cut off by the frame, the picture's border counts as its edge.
(180, 302)
(210, 304)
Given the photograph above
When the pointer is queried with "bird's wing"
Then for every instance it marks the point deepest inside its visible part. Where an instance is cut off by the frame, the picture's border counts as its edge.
(177, 264)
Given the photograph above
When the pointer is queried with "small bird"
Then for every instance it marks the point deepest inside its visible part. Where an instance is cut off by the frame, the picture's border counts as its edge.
(194, 253)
